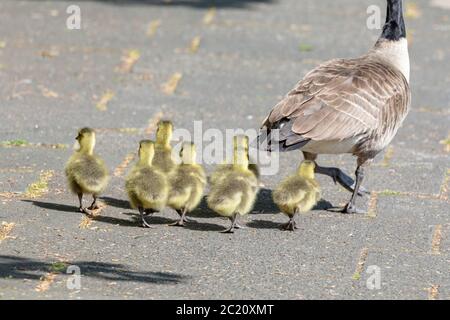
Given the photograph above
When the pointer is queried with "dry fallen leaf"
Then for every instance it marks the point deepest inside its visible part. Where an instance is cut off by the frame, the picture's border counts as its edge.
(102, 104)
(209, 16)
(153, 27)
(53, 52)
(195, 44)
(129, 60)
(5, 229)
(49, 93)
(171, 85)
(45, 282)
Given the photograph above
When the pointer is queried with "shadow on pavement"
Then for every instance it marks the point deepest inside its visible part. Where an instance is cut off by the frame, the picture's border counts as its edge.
(53, 206)
(263, 224)
(24, 268)
(150, 219)
(201, 226)
(264, 203)
(180, 3)
(117, 203)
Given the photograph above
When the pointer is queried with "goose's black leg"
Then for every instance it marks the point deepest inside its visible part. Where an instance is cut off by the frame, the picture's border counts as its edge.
(342, 178)
(80, 199)
(291, 225)
(336, 174)
(350, 208)
(144, 223)
(233, 224)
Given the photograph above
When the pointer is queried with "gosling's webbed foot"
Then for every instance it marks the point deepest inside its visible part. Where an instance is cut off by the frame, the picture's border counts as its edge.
(229, 230)
(239, 226)
(186, 219)
(178, 223)
(87, 211)
(145, 223)
(289, 226)
(94, 206)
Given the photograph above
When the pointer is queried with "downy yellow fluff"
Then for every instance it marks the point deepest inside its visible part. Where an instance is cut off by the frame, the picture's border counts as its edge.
(234, 191)
(147, 187)
(297, 194)
(187, 183)
(86, 172)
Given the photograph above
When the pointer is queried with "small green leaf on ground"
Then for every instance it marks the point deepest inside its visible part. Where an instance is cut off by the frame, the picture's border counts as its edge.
(58, 267)
(304, 47)
(14, 143)
(356, 276)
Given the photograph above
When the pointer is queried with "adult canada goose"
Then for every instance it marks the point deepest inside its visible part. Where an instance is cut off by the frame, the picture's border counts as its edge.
(85, 171)
(297, 193)
(348, 105)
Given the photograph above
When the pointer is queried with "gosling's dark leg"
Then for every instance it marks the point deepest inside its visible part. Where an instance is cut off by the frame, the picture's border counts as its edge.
(233, 225)
(81, 208)
(180, 222)
(291, 225)
(144, 223)
(80, 199)
(350, 208)
(94, 205)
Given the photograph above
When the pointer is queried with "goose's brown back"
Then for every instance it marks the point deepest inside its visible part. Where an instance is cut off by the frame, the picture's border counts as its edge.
(364, 100)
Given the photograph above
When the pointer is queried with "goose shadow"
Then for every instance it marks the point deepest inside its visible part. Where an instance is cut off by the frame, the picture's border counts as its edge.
(53, 206)
(198, 4)
(203, 226)
(117, 203)
(263, 205)
(74, 209)
(265, 224)
(26, 268)
(157, 220)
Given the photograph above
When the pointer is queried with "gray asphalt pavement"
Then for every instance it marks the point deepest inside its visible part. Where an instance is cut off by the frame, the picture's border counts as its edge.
(233, 61)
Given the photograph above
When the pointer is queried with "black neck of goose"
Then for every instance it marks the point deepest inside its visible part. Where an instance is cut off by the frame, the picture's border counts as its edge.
(394, 29)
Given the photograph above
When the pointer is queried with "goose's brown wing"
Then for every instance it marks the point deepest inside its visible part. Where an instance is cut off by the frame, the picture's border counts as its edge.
(338, 100)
